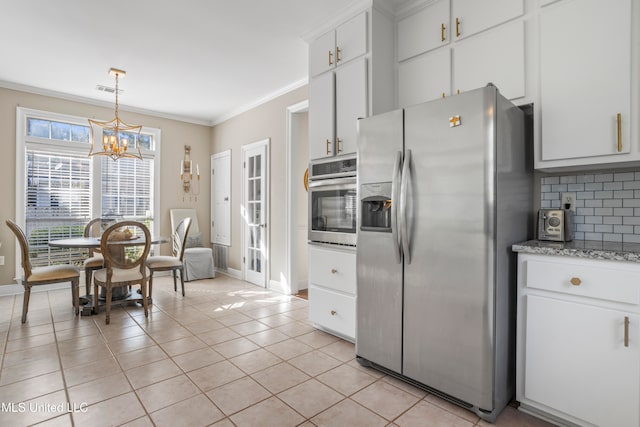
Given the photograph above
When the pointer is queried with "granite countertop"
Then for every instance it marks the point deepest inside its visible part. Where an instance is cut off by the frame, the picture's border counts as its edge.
(591, 249)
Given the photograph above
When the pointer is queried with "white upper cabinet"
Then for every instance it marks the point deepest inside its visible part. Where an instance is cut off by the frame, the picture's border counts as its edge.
(425, 30)
(424, 78)
(351, 104)
(469, 17)
(351, 39)
(346, 42)
(438, 57)
(496, 56)
(322, 116)
(322, 53)
(585, 83)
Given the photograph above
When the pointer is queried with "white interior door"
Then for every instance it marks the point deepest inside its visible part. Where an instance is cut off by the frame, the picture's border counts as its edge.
(221, 198)
(254, 212)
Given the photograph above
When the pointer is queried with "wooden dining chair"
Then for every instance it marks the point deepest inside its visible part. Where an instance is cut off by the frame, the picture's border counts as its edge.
(124, 262)
(34, 276)
(171, 263)
(95, 261)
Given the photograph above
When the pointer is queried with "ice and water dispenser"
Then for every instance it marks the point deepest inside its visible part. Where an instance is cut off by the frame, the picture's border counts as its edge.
(375, 207)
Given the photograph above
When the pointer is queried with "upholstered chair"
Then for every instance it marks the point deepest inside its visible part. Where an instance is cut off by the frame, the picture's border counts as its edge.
(94, 228)
(197, 259)
(171, 263)
(125, 247)
(33, 276)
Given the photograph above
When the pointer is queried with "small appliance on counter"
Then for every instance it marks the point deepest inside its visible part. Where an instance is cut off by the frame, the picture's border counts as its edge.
(555, 225)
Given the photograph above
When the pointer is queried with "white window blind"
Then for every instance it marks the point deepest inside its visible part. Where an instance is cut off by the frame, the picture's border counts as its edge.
(127, 189)
(58, 203)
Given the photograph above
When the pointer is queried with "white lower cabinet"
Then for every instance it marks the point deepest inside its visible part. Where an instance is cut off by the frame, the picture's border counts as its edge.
(332, 289)
(578, 354)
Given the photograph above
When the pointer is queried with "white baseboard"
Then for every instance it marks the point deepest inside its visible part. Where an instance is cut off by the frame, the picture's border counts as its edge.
(231, 272)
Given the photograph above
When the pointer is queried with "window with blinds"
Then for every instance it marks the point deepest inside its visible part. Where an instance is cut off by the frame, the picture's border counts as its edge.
(127, 189)
(58, 204)
(64, 188)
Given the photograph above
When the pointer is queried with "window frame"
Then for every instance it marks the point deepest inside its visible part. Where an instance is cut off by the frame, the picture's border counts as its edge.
(69, 147)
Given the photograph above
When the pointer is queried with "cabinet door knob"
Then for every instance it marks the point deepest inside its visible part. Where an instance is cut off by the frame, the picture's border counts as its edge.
(442, 28)
(330, 58)
(333, 312)
(575, 281)
(457, 27)
(334, 271)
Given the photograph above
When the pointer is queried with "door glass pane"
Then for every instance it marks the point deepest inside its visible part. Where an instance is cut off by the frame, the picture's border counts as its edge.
(258, 188)
(258, 165)
(250, 196)
(251, 168)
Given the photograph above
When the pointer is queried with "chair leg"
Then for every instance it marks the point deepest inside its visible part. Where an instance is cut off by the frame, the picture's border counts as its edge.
(25, 302)
(145, 304)
(108, 305)
(150, 284)
(75, 292)
(88, 275)
(175, 285)
(182, 280)
(96, 308)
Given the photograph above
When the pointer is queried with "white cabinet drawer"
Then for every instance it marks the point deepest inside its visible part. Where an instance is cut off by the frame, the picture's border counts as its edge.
(333, 311)
(332, 268)
(614, 283)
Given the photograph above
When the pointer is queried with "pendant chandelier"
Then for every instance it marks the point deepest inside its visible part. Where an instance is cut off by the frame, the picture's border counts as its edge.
(117, 136)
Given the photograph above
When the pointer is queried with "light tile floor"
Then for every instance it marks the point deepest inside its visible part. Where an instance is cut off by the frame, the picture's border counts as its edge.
(229, 353)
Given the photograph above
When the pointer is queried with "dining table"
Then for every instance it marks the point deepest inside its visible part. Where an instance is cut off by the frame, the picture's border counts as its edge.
(120, 295)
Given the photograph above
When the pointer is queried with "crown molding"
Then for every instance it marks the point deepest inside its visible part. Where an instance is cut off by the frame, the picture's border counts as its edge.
(269, 97)
(123, 107)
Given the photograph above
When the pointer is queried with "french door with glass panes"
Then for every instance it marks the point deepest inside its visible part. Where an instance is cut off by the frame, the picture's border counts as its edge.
(254, 212)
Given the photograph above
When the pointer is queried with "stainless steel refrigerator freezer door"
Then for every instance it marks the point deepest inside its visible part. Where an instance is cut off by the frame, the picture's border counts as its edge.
(379, 272)
(448, 292)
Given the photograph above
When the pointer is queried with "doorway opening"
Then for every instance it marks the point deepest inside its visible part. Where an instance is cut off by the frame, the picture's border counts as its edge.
(297, 149)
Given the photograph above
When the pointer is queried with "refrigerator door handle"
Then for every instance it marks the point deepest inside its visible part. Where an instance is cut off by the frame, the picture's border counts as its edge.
(395, 183)
(406, 176)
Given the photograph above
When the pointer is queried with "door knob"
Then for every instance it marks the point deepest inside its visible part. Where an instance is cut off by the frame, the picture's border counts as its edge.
(334, 271)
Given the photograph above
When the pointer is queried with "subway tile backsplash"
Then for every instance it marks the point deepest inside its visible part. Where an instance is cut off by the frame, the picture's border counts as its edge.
(607, 204)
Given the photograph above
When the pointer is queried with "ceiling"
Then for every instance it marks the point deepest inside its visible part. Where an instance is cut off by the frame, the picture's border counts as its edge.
(200, 61)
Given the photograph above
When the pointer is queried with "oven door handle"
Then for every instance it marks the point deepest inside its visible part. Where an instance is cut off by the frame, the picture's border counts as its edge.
(395, 184)
(351, 180)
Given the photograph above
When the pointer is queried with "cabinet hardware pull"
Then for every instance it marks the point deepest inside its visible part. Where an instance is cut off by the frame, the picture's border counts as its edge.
(575, 281)
(327, 147)
(338, 50)
(330, 58)
(442, 28)
(458, 91)
(443, 94)
(619, 132)
(457, 27)
(333, 312)
(626, 331)
(334, 271)
(339, 146)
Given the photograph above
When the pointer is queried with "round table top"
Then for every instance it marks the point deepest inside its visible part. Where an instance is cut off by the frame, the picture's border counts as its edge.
(94, 242)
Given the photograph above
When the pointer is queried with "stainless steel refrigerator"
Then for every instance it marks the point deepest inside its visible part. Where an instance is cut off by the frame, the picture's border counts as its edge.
(445, 188)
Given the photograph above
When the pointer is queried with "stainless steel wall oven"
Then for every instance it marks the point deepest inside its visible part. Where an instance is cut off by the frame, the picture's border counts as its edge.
(333, 201)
